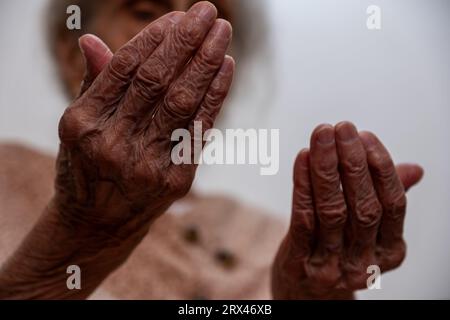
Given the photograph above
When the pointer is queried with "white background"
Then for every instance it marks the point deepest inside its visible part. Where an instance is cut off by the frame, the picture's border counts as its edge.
(325, 66)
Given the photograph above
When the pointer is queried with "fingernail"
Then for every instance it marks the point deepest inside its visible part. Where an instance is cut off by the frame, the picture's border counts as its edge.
(228, 65)
(325, 135)
(222, 29)
(204, 10)
(87, 39)
(346, 131)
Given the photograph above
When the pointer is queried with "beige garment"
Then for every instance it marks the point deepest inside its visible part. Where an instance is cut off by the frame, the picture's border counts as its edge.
(202, 248)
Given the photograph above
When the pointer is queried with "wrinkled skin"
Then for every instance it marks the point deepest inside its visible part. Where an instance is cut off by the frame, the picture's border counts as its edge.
(337, 232)
(115, 175)
(115, 162)
(116, 22)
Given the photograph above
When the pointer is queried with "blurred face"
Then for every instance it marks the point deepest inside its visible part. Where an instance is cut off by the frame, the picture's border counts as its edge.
(116, 22)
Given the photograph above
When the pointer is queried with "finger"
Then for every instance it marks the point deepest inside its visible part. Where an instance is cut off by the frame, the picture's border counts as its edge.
(112, 83)
(328, 197)
(186, 93)
(362, 201)
(215, 96)
(207, 112)
(96, 56)
(363, 206)
(211, 105)
(297, 246)
(155, 75)
(409, 174)
(301, 230)
(391, 192)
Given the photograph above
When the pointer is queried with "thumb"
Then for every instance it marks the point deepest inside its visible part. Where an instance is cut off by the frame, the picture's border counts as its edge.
(409, 174)
(96, 56)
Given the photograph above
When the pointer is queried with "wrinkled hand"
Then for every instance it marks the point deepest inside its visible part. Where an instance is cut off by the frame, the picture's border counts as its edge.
(114, 167)
(348, 210)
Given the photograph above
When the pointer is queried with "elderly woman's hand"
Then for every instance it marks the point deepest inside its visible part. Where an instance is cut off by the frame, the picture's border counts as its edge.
(348, 210)
(115, 174)
(115, 169)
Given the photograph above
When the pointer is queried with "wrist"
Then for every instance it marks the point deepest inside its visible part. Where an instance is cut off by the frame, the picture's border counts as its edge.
(38, 268)
(97, 226)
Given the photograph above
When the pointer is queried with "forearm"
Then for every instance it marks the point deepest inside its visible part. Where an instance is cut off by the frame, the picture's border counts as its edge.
(38, 268)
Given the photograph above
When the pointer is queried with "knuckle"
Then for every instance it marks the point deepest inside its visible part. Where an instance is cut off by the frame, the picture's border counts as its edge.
(390, 182)
(326, 168)
(303, 202)
(394, 257)
(396, 207)
(191, 33)
(399, 202)
(152, 80)
(151, 36)
(355, 166)
(333, 216)
(330, 195)
(368, 212)
(216, 96)
(303, 219)
(71, 125)
(124, 63)
(210, 58)
(180, 101)
(384, 167)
